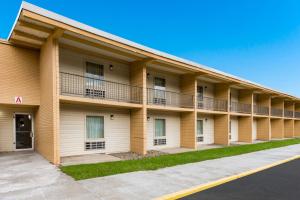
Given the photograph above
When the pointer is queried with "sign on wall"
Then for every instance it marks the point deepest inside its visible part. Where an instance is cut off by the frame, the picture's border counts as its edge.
(18, 100)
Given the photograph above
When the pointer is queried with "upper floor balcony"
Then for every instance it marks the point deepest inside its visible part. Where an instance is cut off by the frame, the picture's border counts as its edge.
(240, 107)
(260, 110)
(288, 113)
(297, 115)
(88, 87)
(209, 103)
(276, 112)
(168, 98)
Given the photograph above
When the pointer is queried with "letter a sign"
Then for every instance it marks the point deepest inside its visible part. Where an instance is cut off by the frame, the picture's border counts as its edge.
(18, 100)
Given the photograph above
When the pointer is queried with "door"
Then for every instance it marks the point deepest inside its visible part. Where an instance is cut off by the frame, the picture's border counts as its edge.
(24, 134)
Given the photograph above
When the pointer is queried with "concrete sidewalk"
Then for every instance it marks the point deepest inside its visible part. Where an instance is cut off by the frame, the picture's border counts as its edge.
(152, 184)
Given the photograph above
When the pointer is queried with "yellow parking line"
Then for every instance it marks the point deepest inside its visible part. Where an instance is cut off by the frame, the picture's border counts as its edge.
(205, 186)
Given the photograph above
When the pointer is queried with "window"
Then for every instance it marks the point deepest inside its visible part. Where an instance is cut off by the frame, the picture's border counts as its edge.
(94, 75)
(200, 93)
(199, 130)
(160, 132)
(94, 132)
(159, 83)
(159, 92)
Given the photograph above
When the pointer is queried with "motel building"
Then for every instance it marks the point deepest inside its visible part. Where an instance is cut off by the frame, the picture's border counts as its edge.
(68, 89)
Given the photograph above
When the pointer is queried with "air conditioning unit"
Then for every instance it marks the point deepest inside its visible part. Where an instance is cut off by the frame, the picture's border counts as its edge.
(160, 141)
(94, 145)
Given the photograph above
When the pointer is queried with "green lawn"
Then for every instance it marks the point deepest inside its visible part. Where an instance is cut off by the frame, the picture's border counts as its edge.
(85, 171)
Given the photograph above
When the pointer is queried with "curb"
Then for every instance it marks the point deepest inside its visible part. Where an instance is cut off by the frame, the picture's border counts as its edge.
(206, 186)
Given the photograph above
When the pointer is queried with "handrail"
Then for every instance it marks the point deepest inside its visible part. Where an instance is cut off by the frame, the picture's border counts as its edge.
(88, 87)
(261, 110)
(168, 98)
(240, 107)
(276, 112)
(209, 103)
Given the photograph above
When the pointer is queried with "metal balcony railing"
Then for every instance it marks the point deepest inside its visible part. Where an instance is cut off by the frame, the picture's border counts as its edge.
(276, 112)
(260, 110)
(288, 113)
(240, 107)
(167, 98)
(209, 103)
(297, 114)
(77, 85)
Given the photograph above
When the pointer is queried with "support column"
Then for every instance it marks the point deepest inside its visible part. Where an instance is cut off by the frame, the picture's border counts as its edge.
(277, 128)
(138, 117)
(297, 128)
(246, 123)
(221, 122)
(263, 128)
(47, 115)
(288, 128)
(188, 120)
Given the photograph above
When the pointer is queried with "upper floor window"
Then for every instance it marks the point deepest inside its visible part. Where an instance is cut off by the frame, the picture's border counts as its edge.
(200, 92)
(94, 70)
(159, 83)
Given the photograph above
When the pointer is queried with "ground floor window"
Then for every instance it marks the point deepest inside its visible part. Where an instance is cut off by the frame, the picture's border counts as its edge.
(199, 130)
(94, 133)
(160, 132)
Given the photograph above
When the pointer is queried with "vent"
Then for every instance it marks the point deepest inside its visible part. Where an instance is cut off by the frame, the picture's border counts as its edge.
(159, 101)
(199, 138)
(94, 145)
(95, 93)
(161, 141)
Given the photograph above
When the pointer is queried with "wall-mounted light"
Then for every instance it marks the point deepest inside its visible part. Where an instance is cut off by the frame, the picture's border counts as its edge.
(148, 118)
(111, 67)
(29, 117)
(112, 117)
(148, 75)
(205, 87)
(206, 119)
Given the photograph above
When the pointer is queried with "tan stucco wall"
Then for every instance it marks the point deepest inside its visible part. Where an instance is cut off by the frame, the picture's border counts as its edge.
(19, 75)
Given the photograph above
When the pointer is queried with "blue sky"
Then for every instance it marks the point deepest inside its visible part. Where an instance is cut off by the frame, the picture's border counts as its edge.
(255, 39)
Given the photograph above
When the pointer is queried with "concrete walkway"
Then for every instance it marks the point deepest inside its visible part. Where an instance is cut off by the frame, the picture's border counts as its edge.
(26, 175)
(152, 184)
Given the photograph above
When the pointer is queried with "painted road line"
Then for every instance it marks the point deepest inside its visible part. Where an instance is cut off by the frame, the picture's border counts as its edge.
(206, 186)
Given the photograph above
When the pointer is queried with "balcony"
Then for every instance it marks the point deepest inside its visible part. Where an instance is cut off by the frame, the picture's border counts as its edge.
(240, 107)
(288, 113)
(260, 110)
(209, 103)
(297, 115)
(167, 98)
(81, 86)
(276, 112)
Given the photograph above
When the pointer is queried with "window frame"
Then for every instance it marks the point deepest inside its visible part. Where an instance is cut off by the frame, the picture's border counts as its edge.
(165, 129)
(98, 139)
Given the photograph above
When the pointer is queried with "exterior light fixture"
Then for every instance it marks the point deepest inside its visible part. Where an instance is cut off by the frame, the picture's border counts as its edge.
(148, 75)
(112, 117)
(148, 118)
(111, 67)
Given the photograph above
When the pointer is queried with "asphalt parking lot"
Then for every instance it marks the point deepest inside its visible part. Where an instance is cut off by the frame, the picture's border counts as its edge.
(279, 182)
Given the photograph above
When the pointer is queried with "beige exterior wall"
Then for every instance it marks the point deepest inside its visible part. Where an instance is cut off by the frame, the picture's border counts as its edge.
(47, 116)
(254, 129)
(172, 130)
(208, 89)
(75, 63)
(234, 132)
(73, 129)
(263, 128)
(7, 131)
(172, 80)
(19, 75)
(208, 128)
(288, 128)
(277, 128)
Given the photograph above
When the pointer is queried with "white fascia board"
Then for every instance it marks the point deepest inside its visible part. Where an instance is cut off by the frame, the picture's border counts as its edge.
(68, 21)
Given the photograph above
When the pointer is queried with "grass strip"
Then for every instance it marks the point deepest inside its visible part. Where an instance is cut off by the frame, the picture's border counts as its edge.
(86, 171)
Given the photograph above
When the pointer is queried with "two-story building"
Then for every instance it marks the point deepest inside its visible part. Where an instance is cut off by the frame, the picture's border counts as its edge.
(69, 89)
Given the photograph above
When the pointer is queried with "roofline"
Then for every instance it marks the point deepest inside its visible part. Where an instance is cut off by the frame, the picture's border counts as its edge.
(79, 25)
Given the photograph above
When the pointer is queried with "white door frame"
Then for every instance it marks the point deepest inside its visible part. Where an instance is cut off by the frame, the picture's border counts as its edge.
(15, 132)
